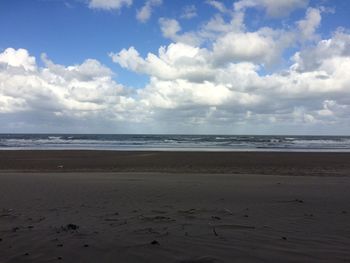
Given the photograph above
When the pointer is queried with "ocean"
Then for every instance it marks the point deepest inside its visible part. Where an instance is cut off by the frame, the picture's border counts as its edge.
(133, 142)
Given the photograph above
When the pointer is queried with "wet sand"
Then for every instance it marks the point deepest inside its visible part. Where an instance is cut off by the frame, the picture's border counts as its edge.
(79, 206)
(272, 163)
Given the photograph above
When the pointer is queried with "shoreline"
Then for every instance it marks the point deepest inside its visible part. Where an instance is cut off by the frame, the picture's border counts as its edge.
(196, 150)
(273, 163)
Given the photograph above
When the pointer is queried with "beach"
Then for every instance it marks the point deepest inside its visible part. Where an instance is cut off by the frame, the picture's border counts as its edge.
(144, 206)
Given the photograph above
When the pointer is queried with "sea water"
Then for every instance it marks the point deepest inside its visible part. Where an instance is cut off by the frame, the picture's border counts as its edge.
(175, 142)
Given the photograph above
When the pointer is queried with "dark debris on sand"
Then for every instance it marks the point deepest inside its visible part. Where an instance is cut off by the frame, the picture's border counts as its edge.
(68, 227)
(155, 242)
(72, 227)
(15, 229)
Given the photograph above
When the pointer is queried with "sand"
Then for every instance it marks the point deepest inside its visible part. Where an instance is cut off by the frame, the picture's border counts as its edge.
(226, 207)
(271, 163)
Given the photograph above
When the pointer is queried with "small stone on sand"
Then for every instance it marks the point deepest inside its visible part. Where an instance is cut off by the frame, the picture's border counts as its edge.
(155, 242)
(72, 227)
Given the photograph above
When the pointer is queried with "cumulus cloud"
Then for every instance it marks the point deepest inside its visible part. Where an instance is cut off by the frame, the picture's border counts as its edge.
(324, 55)
(217, 26)
(109, 4)
(235, 47)
(273, 8)
(18, 58)
(186, 86)
(189, 11)
(216, 76)
(144, 14)
(187, 77)
(308, 26)
(129, 58)
(218, 5)
(232, 41)
(172, 62)
(83, 93)
(171, 29)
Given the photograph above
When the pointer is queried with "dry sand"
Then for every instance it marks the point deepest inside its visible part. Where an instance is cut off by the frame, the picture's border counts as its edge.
(148, 214)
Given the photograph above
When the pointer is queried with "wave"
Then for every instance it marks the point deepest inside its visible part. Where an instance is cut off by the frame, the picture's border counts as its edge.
(169, 142)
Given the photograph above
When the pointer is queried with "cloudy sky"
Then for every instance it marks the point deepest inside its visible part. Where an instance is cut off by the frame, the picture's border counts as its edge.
(166, 66)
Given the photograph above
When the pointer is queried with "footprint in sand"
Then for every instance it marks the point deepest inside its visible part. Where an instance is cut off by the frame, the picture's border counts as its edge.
(158, 211)
(201, 260)
(233, 227)
(155, 218)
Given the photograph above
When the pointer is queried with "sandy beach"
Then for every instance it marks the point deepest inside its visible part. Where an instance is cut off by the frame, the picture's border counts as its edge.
(96, 206)
(271, 163)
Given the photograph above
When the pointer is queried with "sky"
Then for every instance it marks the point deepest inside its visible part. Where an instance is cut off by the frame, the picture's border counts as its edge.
(175, 66)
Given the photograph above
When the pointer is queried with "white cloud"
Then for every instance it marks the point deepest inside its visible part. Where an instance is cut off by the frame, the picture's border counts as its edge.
(176, 61)
(273, 8)
(18, 58)
(186, 86)
(171, 29)
(216, 76)
(324, 55)
(218, 27)
(81, 92)
(236, 47)
(129, 58)
(218, 5)
(189, 11)
(185, 77)
(233, 42)
(109, 4)
(309, 25)
(182, 93)
(144, 14)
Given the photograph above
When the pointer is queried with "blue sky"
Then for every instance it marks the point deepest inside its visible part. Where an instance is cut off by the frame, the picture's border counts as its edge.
(218, 73)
